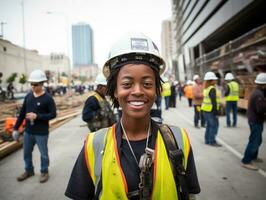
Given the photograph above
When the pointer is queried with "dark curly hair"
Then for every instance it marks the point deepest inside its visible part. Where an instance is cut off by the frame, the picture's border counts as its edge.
(112, 84)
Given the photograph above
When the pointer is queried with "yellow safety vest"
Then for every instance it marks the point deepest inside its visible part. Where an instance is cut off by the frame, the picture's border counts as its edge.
(103, 160)
(207, 104)
(166, 89)
(234, 91)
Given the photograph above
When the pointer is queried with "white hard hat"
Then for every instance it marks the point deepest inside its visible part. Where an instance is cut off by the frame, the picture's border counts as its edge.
(189, 82)
(261, 78)
(100, 79)
(134, 47)
(210, 76)
(229, 77)
(37, 76)
(195, 77)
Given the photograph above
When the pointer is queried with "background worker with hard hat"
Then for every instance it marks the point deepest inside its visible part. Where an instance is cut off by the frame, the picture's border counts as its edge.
(210, 107)
(166, 92)
(130, 159)
(197, 93)
(231, 94)
(38, 108)
(97, 111)
(256, 116)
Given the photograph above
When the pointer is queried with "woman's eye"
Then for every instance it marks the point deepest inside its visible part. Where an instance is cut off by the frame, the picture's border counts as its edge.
(126, 85)
(148, 84)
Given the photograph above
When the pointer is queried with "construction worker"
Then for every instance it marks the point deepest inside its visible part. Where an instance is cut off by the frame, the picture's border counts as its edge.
(97, 111)
(188, 92)
(256, 116)
(210, 107)
(129, 160)
(38, 108)
(197, 93)
(231, 97)
(166, 92)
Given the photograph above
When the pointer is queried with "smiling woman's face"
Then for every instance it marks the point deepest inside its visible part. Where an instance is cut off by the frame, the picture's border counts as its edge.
(136, 90)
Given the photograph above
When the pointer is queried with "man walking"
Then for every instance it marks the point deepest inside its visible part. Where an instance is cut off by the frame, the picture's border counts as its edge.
(256, 115)
(38, 108)
(231, 97)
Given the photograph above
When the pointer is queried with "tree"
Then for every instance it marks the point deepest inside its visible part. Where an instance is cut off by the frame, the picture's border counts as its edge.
(22, 80)
(11, 78)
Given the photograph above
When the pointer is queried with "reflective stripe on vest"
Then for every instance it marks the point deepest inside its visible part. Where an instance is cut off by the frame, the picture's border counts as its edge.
(207, 104)
(234, 91)
(114, 185)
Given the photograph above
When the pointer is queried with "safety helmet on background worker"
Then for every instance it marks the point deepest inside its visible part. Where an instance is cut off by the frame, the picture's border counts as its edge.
(100, 80)
(261, 78)
(134, 48)
(37, 76)
(229, 76)
(196, 77)
(210, 76)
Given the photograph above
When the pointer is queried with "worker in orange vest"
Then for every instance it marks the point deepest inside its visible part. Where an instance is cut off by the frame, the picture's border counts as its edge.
(188, 92)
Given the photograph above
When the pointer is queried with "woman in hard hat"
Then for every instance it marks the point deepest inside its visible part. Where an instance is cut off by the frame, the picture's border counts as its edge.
(256, 116)
(210, 107)
(130, 159)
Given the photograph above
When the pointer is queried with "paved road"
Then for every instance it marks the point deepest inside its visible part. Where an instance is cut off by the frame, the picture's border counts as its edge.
(220, 174)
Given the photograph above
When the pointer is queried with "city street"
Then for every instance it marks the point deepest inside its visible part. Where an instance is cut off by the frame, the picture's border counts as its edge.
(219, 168)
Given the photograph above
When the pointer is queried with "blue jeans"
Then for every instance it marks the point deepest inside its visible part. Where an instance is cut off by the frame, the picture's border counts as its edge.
(29, 142)
(212, 125)
(167, 102)
(255, 140)
(231, 105)
(198, 115)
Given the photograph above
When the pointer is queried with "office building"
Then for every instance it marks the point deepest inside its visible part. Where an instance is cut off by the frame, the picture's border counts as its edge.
(82, 43)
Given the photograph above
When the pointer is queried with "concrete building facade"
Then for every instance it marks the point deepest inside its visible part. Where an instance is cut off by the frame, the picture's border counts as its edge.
(202, 26)
(167, 44)
(16, 59)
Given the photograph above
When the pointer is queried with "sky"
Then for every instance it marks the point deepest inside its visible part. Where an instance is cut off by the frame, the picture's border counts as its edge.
(109, 20)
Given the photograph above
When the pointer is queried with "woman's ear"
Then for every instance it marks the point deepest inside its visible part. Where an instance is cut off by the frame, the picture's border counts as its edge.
(115, 94)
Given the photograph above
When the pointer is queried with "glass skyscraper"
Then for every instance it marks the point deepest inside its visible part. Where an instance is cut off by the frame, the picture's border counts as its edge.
(82, 43)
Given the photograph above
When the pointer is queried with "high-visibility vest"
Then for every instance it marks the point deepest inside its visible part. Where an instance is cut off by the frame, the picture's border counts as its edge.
(166, 89)
(102, 159)
(207, 104)
(103, 118)
(189, 91)
(234, 91)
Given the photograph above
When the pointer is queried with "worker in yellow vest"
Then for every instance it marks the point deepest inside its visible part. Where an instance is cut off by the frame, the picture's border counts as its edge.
(129, 160)
(166, 92)
(210, 107)
(231, 97)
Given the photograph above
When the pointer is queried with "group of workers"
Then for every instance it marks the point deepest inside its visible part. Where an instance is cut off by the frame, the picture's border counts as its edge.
(207, 106)
(135, 157)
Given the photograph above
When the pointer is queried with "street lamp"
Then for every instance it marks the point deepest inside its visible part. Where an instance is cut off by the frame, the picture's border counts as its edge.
(67, 39)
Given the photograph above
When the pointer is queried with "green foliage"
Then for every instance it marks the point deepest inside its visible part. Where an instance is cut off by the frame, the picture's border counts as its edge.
(11, 78)
(22, 79)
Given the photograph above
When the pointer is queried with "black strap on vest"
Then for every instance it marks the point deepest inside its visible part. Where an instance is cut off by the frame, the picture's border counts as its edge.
(176, 158)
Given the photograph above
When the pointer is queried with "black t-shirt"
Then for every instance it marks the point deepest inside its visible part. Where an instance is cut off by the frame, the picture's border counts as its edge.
(80, 186)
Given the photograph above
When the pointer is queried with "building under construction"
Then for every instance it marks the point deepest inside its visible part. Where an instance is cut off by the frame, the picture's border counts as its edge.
(220, 36)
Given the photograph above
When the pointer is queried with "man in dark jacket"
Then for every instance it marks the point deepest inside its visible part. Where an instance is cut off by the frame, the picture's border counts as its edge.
(38, 108)
(97, 111)
(256, 115)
